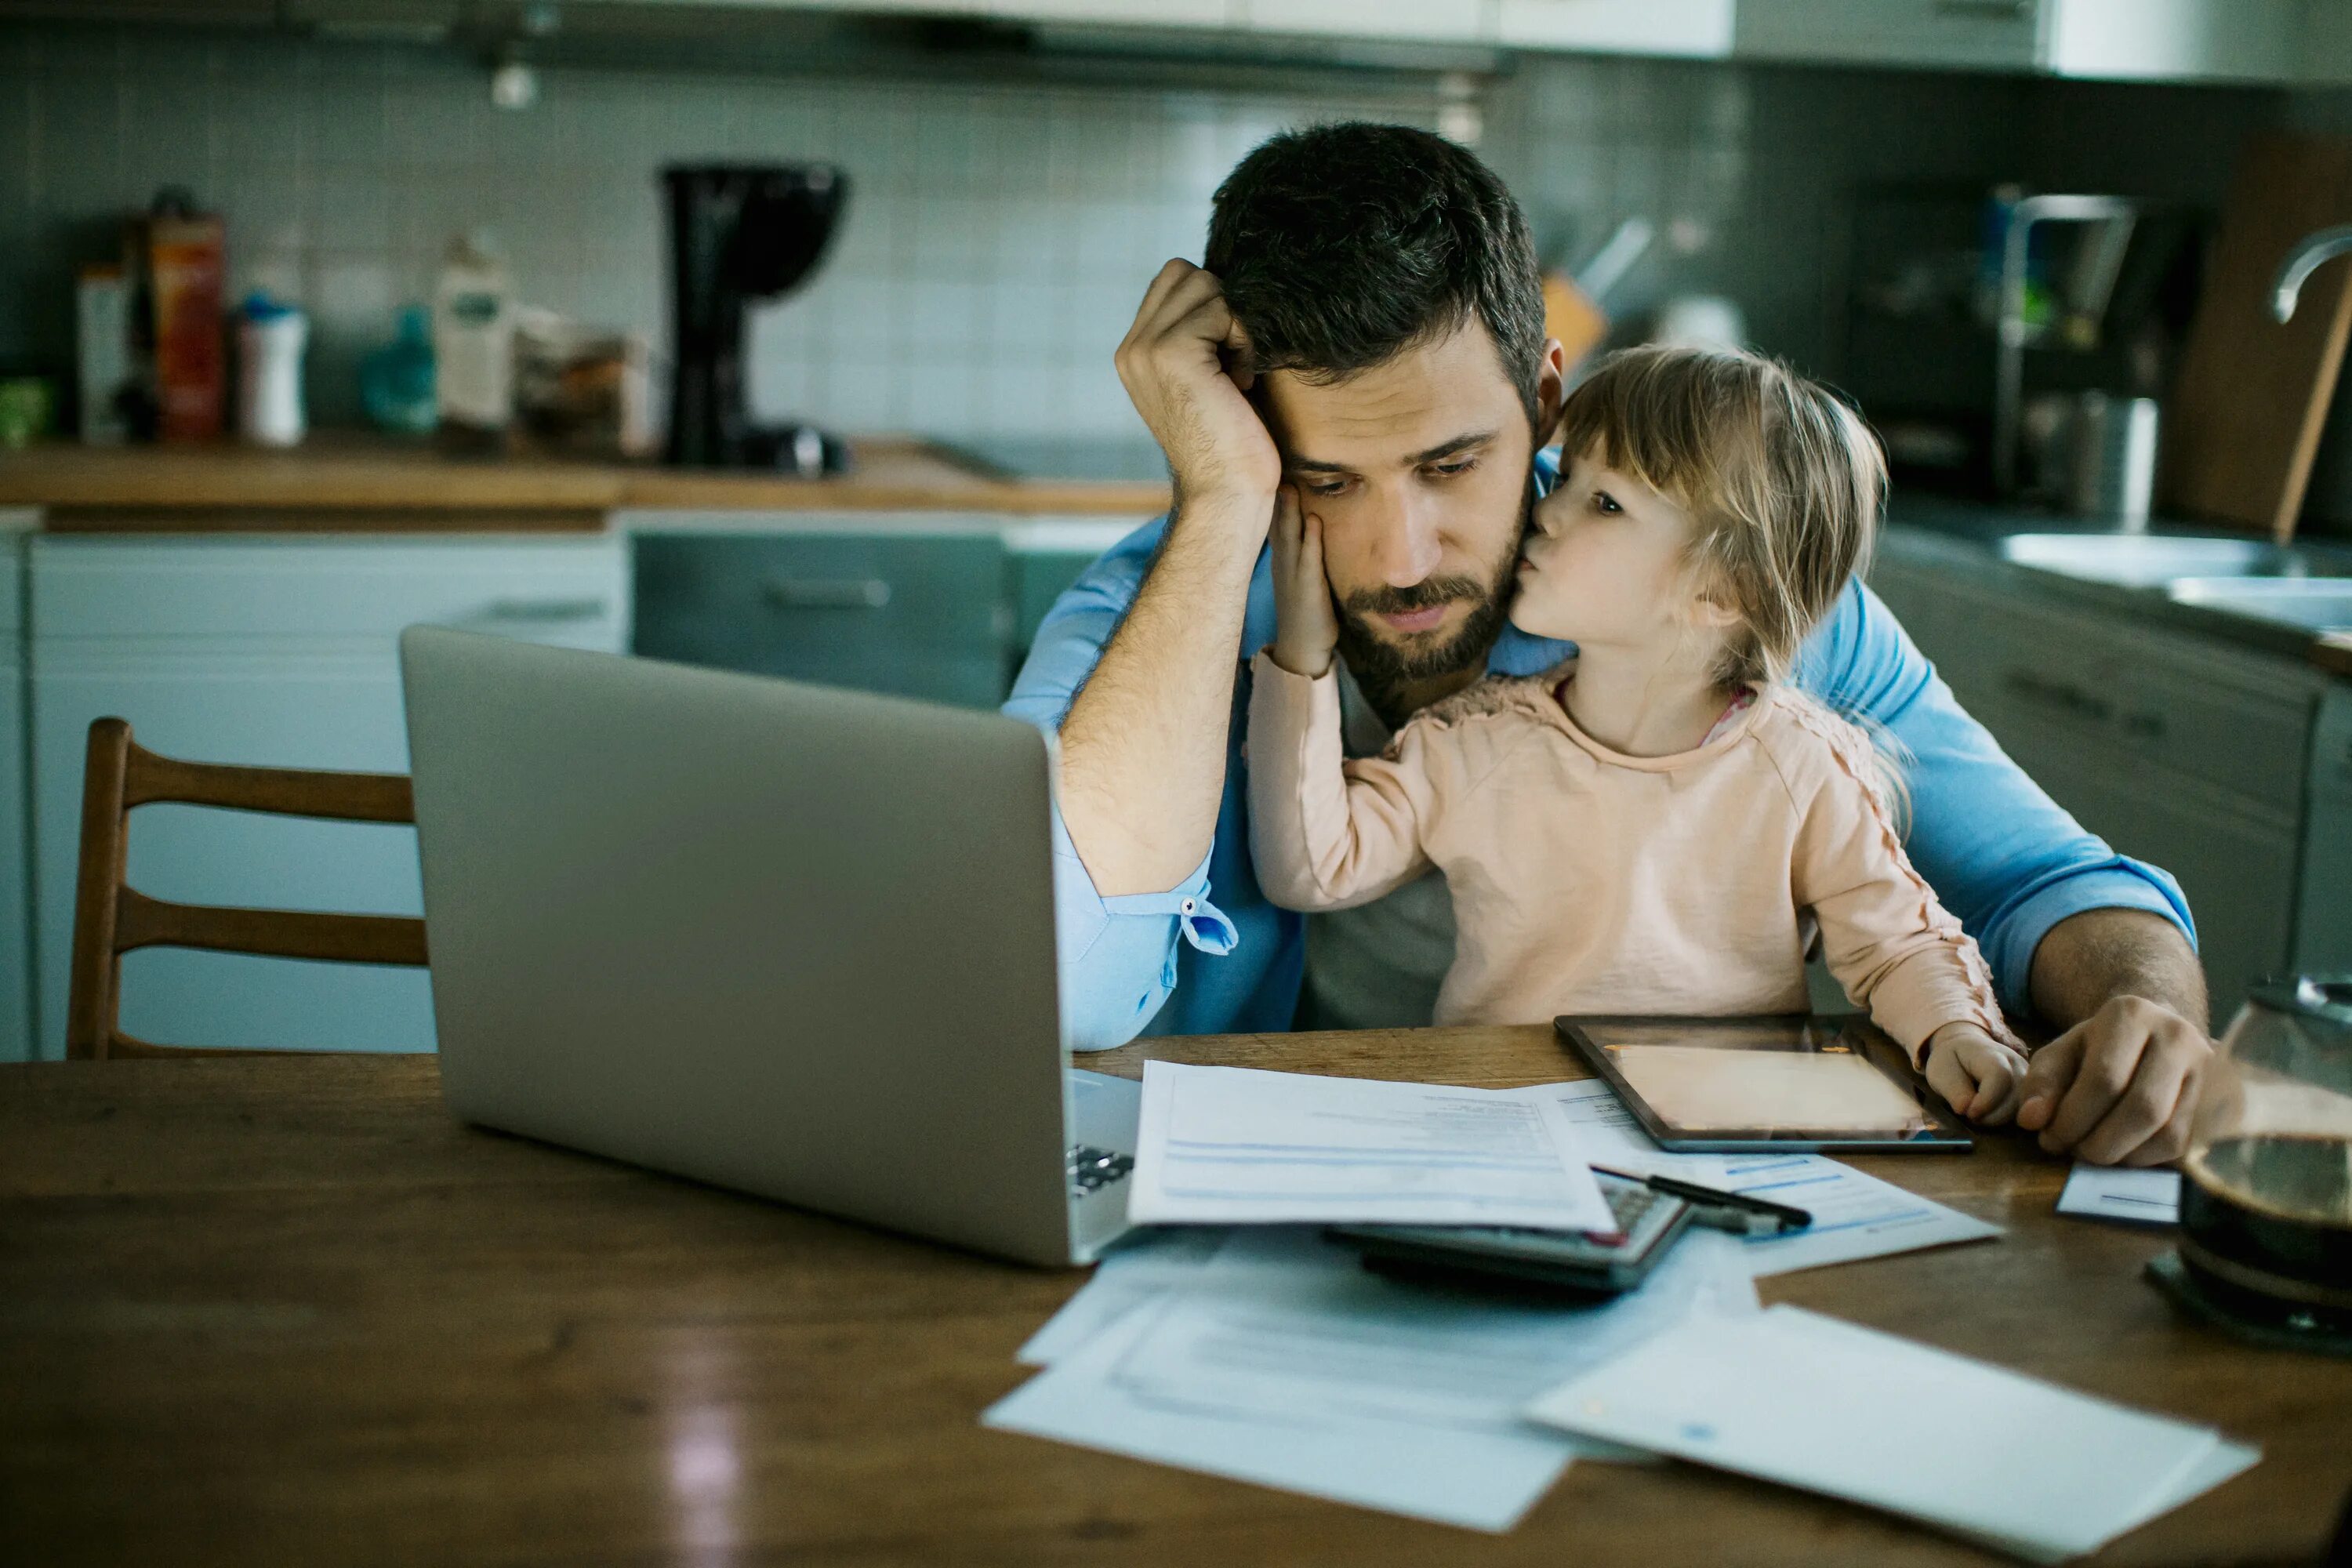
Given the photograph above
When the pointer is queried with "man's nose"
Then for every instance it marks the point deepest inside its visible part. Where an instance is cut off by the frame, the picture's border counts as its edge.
(1409, 547)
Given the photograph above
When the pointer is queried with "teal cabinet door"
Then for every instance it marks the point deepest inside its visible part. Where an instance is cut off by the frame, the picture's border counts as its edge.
(914, 615)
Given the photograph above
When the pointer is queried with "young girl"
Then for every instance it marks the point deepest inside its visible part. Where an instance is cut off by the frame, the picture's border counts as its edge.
(1651, 826)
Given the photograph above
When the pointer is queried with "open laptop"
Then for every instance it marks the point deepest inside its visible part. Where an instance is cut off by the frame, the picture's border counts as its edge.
(782, 938)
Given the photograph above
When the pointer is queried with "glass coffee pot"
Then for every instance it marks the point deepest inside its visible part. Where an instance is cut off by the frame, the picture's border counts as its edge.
(2266, 1194)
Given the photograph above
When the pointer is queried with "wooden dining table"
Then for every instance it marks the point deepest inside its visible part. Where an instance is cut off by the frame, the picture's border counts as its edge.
(287, 1311)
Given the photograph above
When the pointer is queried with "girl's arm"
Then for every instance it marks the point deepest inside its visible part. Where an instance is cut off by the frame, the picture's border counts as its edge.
(1885, 936)
(1325, 832)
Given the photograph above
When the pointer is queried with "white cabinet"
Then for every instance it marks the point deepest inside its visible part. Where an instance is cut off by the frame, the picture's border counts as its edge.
(1697, 28)
(15, 934)
(2154, 40)
(2176, 40)
(283, 652)
(1434, 21)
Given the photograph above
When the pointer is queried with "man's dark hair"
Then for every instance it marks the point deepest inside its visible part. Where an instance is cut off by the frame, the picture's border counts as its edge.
(1343, 245)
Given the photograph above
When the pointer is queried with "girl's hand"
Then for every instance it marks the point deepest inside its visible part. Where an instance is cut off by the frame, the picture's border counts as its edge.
(1307, 629)
(1977, 1075)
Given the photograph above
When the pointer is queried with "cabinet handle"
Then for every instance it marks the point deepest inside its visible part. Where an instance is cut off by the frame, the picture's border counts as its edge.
(2069, 700)
(826, 592)
(547, 610)
(1987, 10)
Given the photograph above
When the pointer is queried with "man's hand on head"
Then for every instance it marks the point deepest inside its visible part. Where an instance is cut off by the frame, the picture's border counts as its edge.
(1186, 363)
(2120, 1085)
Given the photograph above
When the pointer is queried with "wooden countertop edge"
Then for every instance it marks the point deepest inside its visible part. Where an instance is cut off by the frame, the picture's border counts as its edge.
(89, 489)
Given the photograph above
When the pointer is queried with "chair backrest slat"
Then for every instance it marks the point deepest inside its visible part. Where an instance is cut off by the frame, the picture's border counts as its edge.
(350, 797)
(142, 921)
(112, 918)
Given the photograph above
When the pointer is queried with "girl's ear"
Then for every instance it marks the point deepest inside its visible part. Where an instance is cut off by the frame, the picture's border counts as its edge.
(1714, 613)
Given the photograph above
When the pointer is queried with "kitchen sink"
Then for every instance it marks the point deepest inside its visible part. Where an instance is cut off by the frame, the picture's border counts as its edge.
(2156, 560)
(2314, 604)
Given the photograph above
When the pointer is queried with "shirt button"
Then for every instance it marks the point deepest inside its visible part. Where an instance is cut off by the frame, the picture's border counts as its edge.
(1188, 906)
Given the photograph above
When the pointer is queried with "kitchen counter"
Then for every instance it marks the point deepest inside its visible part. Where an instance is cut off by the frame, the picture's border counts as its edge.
(346, 482)
(1970, 533)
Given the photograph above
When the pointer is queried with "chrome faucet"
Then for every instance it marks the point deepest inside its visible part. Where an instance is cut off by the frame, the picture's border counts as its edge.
(2306, 256)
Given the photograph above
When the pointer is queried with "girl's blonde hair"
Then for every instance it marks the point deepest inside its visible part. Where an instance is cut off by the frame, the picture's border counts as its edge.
(1783, 482)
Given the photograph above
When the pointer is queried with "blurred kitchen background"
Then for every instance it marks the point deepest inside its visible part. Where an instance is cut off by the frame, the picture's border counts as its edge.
(1014, 188)
(2140, 599)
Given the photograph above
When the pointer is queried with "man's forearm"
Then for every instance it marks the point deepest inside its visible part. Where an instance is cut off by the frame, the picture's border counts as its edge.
(2087, 959)
(1144, 744)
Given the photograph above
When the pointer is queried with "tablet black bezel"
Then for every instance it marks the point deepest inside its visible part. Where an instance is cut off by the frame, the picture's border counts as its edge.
(1944, 1134)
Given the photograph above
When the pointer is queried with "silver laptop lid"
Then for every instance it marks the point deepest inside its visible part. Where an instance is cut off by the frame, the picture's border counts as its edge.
(779, 936)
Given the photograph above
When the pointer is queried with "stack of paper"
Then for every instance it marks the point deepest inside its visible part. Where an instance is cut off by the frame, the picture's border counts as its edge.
(1268, 1354)
(1280, 1360)
(1807, 1401)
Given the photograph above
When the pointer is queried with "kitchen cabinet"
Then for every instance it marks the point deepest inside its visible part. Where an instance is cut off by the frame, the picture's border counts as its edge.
(2322, 925)
(935, 606)
(2169, 40)
(273, 651)
(1695, 29)
(915, 611)
(1433, 21)
(15, 934)
(2177, 749)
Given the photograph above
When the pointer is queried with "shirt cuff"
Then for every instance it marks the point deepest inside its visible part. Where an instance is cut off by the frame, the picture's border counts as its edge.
(1117, 955)
(2120, 884)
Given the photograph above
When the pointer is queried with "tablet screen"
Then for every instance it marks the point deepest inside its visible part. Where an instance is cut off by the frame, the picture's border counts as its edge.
(1780, 1080)
(1699, 1085)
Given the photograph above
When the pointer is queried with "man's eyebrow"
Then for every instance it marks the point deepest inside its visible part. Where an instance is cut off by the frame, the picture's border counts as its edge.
(1447, 448)
(1458, 445)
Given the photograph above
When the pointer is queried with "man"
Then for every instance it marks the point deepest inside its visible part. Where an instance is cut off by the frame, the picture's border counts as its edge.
(1369, 331)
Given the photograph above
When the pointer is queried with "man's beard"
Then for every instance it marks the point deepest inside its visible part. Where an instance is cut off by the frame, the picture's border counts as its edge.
(1383, 668)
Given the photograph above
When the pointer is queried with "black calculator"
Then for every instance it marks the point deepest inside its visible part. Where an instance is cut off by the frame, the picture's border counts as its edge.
(1585, 1262)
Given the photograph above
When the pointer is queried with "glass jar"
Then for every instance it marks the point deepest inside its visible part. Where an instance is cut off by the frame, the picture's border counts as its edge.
(2266, 1199)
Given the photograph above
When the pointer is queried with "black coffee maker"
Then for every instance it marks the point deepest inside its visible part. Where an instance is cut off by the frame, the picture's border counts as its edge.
(740, 234)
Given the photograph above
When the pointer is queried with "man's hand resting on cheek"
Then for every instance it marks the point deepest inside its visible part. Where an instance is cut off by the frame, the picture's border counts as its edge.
(1307, 627)
(2120, 1087)
(1977, 1075)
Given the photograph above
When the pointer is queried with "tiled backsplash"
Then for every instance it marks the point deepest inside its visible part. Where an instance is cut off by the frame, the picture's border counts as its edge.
(998, 235)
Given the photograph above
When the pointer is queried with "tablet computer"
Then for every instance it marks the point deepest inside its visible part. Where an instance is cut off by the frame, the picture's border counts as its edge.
(1826, 1085)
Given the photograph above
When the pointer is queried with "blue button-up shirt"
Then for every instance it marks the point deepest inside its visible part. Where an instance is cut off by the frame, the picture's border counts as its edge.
(1213, 956)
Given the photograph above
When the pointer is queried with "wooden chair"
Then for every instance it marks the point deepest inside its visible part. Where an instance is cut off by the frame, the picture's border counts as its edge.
(112, 918)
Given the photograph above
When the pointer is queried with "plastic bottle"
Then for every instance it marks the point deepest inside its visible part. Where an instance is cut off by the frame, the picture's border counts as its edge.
(396, 379)
(473, 347)
(269, 339)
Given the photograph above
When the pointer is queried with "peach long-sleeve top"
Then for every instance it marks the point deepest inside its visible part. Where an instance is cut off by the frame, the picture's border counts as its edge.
(1585, 881)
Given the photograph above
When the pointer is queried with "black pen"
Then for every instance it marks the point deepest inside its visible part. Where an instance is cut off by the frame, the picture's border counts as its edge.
(1735, 1212)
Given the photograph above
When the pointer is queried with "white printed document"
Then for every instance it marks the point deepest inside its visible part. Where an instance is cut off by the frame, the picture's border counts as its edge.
(1237, 1146)
(2113, 1192)
(1808, 1400)
(1855, 1215)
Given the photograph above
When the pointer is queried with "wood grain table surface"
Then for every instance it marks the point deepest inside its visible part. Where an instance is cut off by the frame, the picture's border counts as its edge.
(257, 1311)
